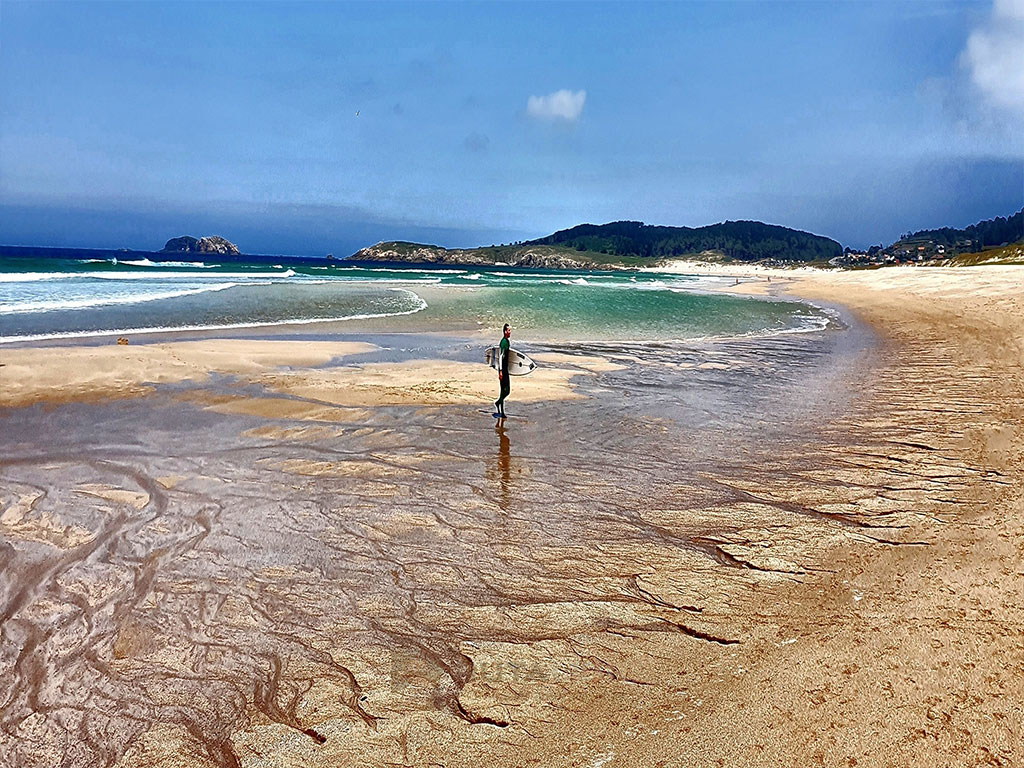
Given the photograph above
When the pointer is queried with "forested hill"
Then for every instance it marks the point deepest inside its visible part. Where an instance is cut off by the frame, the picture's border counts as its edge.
(741, 240)
(997, 231)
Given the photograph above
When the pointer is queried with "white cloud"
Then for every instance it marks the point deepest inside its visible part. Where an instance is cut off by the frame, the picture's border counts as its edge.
(994, 55)
(561, 105)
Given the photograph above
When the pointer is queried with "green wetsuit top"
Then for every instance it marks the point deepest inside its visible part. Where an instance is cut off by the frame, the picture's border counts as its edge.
(503, 363)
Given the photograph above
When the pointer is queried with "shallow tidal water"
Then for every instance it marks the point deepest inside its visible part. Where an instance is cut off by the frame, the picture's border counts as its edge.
(176, 574)
(54, 299)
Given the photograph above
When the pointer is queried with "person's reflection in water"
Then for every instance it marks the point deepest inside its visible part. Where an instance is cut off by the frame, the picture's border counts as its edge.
(504, 465)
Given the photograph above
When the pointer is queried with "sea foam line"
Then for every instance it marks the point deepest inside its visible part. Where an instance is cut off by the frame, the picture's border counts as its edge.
(227, 326)
(245, 278)
(368, 281)
(148, 263)
(525, 275)
(54, 305)
(438, 270)
(31, 277)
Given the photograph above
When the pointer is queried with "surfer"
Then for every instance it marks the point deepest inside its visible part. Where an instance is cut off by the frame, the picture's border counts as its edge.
(499, 404)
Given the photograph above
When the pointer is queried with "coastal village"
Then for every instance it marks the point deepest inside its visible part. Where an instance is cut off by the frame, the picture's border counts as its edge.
(996, 240)
(913, 251)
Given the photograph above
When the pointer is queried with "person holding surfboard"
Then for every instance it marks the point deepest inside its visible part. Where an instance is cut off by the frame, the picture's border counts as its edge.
(508, 362)
(502, 367)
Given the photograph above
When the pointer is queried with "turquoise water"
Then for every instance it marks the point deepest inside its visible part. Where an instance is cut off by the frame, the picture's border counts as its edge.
(50, 298)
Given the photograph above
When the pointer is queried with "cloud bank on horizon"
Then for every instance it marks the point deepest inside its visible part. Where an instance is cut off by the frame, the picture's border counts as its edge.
(291, 129)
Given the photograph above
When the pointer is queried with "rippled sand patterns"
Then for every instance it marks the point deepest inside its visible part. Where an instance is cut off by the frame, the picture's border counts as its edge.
(663, 569)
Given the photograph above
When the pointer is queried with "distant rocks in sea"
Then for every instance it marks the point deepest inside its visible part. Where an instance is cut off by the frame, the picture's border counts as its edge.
(212, 244)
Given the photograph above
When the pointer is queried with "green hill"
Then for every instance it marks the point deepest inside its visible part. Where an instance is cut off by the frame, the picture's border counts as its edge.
(737, 240)
(988, 233)
(627, 244)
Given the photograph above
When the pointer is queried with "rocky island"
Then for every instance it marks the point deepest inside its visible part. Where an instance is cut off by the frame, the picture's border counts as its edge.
(212, 244)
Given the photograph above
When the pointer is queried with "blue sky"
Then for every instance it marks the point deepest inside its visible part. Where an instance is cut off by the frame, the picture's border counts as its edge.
(308, 128)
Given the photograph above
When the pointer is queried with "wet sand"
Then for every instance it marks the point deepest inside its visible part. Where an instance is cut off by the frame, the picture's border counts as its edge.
(911, 654)
(797, 551)
(61, 374)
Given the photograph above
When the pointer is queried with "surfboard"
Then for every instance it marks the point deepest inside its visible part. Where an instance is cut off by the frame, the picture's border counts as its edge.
(518, 363)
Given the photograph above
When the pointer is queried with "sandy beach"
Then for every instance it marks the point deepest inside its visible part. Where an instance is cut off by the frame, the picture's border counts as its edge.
(266, 553)
(906, 654)
(49, 375)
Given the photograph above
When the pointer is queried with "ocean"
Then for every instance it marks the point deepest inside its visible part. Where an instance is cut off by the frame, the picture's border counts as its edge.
(81, 298)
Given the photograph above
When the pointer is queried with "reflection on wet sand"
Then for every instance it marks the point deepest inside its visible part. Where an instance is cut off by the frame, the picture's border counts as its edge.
(504, 465)
(337, 584)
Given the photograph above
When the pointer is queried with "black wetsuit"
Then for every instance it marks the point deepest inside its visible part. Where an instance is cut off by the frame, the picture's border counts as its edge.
(503, 352)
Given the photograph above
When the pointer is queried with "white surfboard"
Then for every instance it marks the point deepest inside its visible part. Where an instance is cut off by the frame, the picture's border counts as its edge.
(518, 363)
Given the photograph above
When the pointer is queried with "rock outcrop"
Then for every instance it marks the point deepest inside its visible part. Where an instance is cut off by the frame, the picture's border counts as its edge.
(212, 244)
(544, 257)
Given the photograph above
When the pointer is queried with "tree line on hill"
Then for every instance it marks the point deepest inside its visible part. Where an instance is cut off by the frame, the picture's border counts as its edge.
(740, 240)
(997, 231)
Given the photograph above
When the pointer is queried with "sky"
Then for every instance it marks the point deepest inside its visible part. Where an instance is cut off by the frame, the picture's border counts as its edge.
(300, 128)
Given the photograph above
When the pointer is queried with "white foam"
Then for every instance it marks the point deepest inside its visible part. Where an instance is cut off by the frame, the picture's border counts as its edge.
(241, 281)
(148, 263)
(524, 275)
(805, 324)
(376, 281)
(439, 270)
(29, 277)
(27, 307)
(632, 285)
(226, 326)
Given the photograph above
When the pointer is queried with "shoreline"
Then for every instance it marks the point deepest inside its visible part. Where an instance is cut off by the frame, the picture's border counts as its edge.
(878, 557)
(926, 622)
